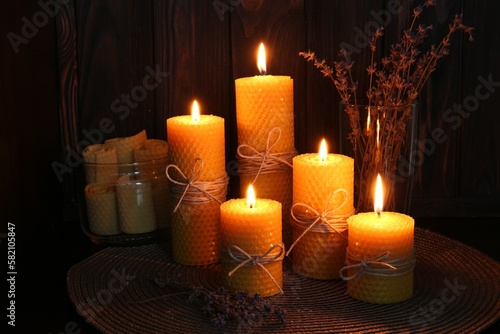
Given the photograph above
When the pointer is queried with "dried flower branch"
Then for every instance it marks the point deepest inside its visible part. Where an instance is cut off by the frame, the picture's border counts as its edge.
(222, 307)
(393, 84)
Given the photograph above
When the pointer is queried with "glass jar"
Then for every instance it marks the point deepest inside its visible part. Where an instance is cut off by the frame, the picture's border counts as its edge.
(125, 203)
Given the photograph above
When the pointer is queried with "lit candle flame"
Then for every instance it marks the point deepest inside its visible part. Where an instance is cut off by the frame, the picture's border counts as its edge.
(323, 153)
(261, 60)
(250, 197)
(195, 112)
(379, 195)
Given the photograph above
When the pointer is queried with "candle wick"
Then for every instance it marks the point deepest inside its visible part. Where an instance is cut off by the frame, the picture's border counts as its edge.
(378, 214)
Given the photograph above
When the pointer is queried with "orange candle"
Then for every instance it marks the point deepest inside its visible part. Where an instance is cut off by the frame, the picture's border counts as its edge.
(252, 226)
(197, 136)
(196, 226)
(263, 103)
(324, 183)
(383, 242)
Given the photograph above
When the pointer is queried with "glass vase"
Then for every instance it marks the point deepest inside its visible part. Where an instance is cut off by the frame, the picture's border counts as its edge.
(381, 140)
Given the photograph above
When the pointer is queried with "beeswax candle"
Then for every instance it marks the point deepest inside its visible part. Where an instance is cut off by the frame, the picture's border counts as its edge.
(317, 179)
(196, 226)
(264, 103)
(190, 137)
(376, 238)
(255, 229)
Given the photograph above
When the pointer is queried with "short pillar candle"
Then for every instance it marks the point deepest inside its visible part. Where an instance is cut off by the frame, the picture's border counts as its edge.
(324, 184)
(254, 229)
(380, 256)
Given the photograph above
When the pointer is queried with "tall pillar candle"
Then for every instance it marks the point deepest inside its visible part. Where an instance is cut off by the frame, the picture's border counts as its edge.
(323, 186)
(254, 229)
(265, 123)
(196, 226)
(380, 258)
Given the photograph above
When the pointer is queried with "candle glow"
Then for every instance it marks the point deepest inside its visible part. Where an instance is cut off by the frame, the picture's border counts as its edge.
(195, 112)
(323, 152)
(379, 195)
(261, 60)
(251, 197)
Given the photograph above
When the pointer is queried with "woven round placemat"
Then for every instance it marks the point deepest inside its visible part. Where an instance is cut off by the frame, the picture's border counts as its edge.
(134, 290)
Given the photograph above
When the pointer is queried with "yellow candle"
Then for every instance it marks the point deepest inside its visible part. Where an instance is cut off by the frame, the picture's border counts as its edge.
(371, 235)
(196, 226)
(189, 138)
(265, 102)
(316, 177)
(255, 229)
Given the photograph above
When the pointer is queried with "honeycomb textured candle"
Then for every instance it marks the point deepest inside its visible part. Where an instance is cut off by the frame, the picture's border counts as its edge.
(321, 255)
(135, 206)
(152, 158)
(265, 102)
(196, 227)
(255, 230)
(188, 140)
(125, 147)
(102, 209)
(370, 236)
(100, 163)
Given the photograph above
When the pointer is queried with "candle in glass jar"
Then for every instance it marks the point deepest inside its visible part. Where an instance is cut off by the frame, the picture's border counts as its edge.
(254, 227)
(382, 237)
(316, 177)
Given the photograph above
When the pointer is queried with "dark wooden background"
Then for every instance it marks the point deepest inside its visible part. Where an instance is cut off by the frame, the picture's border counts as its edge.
(107, 46)
(66, 78)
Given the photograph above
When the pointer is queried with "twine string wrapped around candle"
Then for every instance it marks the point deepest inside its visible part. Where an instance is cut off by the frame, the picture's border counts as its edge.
(377, 266)
(242, 258)
(318, 221)
(196, 192)
(264, 162)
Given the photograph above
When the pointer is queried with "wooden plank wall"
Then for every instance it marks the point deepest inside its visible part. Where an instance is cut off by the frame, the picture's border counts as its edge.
(198, 48)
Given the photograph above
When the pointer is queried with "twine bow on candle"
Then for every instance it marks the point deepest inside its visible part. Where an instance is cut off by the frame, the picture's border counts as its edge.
(264, 162)
(328, 219)
(377, 266)
(196, 192)
(242, 258)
